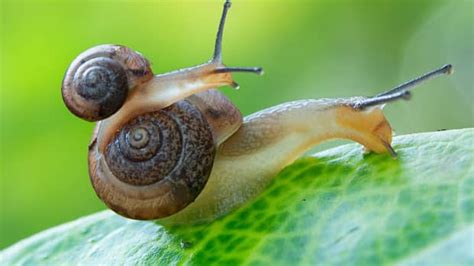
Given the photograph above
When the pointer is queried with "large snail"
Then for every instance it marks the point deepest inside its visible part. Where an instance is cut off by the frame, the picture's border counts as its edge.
(172, 147)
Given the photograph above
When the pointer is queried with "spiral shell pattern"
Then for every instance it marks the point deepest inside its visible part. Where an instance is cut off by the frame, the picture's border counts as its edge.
(162, 158)
(96, 84)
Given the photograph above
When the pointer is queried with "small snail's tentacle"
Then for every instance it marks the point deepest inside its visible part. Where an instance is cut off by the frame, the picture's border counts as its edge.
(220, 32)
(256, 70)
(217, 57)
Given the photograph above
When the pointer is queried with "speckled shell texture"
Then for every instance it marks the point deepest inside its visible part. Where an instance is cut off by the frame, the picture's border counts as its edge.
(157, 164)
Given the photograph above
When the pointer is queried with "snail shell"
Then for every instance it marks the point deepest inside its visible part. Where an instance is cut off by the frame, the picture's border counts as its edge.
(157, 163)
(97, 82)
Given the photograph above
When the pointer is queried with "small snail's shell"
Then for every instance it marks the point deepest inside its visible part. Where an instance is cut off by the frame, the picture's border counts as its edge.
(157, 164)
(97, 82)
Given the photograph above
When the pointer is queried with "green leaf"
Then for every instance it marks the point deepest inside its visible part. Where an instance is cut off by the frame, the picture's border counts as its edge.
(339, 207)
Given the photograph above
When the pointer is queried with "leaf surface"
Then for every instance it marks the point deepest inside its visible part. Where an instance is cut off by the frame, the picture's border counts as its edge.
(339, 207)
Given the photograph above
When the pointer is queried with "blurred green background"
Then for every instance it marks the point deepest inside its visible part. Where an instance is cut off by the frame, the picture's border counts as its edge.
(309, 49)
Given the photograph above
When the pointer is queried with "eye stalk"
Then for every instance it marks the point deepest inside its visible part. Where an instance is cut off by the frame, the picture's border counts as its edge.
(220, 32)
(217, 58)
(402, 91)
(374, 131)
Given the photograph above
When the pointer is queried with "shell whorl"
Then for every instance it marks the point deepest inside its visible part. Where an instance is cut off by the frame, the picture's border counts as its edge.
(97, 82)
(157, 164)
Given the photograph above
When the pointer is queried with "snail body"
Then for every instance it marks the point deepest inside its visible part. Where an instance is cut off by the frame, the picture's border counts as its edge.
(172, 147)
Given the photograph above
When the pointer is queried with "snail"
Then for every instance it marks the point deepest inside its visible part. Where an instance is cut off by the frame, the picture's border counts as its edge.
(172, 147)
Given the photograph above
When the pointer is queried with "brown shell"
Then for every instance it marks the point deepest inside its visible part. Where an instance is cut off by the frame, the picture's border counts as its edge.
(156, 165)
(97, 82)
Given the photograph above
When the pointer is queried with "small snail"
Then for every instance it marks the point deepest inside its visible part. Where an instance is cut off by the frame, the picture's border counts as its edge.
(172, 147)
